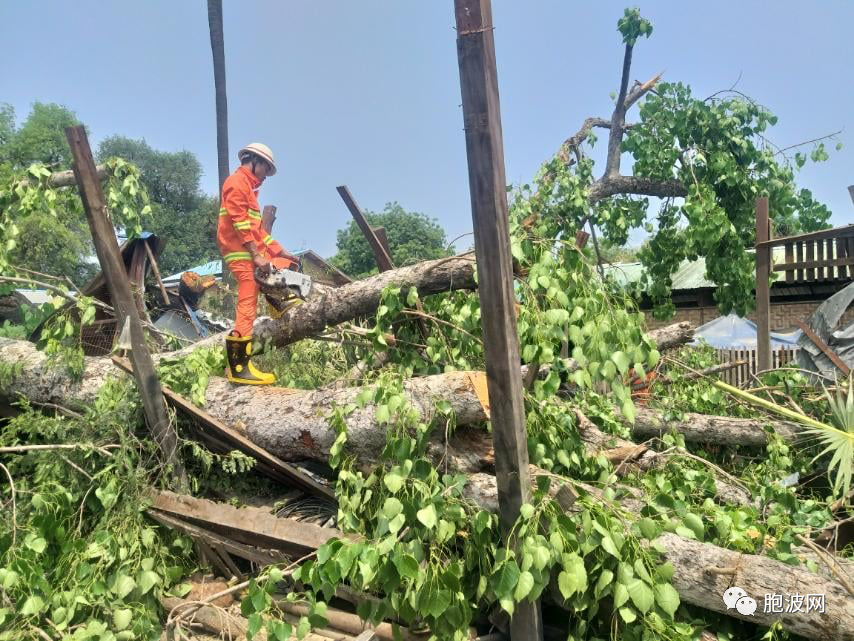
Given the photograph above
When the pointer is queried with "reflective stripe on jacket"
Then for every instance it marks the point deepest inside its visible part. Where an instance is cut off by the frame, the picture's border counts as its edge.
(240, 219)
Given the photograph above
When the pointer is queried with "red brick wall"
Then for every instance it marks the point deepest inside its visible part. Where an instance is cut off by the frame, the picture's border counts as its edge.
(784, 316)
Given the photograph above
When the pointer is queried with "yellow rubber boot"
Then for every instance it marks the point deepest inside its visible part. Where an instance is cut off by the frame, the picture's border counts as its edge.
(240, 368)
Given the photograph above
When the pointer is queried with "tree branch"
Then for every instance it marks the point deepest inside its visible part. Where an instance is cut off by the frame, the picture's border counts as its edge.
(67, 179)
(611, 185)
(612, 168)
(639, 90)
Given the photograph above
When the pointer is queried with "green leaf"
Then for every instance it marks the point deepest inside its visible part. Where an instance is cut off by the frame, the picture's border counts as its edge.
(628, 615)
(605, 580)
(621, 595)
(507, 578)
(524, 586)
(393, 481)
(407, 566)
(253, 625)
(33, 605)
(8, 578)
(37, 544)
(667, 598)
(649, 528)
(641, 595)
(122, 618)
(382, 414)
(391, 508)
(148, 580)
(123, 586)
(695, 523)
(527, 511)
(427, 516)
(573, 578)
(622, 361)
(609, 546)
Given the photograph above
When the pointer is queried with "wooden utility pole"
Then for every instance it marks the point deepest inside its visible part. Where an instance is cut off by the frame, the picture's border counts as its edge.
(763, 291)
(485, 151)
(218, 52)
(107, 249)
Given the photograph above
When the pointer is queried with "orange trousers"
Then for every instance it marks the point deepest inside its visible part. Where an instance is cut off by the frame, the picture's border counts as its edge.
(247, 295)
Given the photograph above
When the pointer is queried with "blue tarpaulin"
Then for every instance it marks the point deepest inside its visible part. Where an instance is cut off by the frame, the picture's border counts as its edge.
(734, 332)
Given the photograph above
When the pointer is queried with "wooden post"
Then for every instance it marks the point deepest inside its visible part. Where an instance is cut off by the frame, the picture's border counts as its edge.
(485, 151)
(380, 255)
(107, 249)
(268, 217)
(379, 232)
(763, 291)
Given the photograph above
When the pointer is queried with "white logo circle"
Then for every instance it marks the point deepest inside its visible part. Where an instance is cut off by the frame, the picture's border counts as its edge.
(732, 595)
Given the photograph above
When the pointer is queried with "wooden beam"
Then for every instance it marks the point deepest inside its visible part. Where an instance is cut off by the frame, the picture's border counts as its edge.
(819, 263)
(835, 232)
(763, 293)
(824, 347)
(379, 232)
(380, 255)
(247, 525)
(156, 269)
(487, 184)
(268, 217)
(107, 249)
(219, 433)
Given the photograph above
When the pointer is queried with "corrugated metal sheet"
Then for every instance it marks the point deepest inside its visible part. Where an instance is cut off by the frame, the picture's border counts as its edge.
(690, 275)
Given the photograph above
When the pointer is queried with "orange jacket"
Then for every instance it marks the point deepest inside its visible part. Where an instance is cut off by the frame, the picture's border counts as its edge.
(240, 219)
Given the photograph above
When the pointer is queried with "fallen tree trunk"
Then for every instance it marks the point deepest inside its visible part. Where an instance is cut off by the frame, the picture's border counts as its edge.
(703, 572)
(701, 428)
(362, 297)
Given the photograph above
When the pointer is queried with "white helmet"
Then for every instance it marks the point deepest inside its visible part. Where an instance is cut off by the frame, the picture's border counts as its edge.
(262, 151)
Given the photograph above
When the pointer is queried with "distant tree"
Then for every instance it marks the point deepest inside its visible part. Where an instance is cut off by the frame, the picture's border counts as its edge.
(41, 138)
(412, 237)
(181, 214)
(59, 244)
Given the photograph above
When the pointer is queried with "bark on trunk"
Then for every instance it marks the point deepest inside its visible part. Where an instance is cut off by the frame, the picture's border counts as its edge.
(672, 335)
(701, 428)
(703, 572)
(362, 297)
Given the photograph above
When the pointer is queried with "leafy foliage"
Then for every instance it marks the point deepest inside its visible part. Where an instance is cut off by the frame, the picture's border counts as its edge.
(412, 237)
(180, 212)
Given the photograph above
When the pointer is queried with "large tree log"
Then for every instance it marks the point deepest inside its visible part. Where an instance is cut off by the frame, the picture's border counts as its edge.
(703, 572)
(701, 428)
(362, 297)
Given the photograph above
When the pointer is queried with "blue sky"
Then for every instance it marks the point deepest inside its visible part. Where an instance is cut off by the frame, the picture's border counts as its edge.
(367, 93)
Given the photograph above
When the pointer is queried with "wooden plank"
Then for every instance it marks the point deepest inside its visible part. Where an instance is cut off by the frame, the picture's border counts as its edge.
(841, 252)
(156, 269)
(268, 217)
(790, 258)
(487, 184)
(836, 232)
(830, 263)
(849, 252)
(247, 525)
(107, 249)
(259, 556)
(383, 238)
(234, 440)
(380, 255)
(810, 247)
(763, 292)
(819, 259)
(824, 347)
(830, 246)
(801, 259)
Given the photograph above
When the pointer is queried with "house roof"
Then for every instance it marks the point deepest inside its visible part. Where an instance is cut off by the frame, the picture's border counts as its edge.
(691, 274)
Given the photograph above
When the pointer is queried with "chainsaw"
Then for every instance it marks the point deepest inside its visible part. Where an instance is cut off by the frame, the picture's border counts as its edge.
(284, 285)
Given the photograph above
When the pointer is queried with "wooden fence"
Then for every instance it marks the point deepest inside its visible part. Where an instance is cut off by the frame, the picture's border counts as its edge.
(743, 375)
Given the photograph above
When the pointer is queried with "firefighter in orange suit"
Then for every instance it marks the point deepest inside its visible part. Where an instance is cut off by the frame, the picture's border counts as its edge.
(245, 247)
